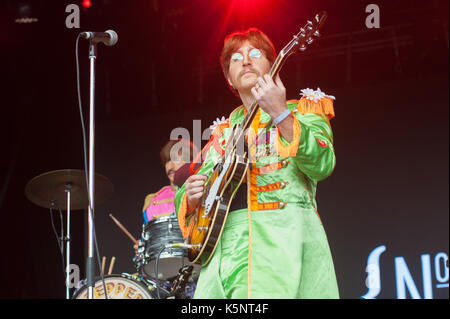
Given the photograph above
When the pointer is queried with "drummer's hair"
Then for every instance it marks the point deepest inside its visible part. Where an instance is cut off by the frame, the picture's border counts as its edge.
(164, 154)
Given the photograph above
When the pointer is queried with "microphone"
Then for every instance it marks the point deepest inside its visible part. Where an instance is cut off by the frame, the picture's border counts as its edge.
(108, 37)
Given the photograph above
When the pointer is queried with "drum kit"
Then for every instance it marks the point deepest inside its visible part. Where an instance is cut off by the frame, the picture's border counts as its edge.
(163, 270)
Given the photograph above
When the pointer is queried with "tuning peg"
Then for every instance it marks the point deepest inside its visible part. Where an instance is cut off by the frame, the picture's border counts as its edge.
(317, 33)
(302, 32)
(302, 47)
(309, 25)
(310, 40)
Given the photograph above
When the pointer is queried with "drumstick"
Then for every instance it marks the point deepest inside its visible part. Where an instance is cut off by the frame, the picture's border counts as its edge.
(111, 265)
(124, 230)
(103, 264)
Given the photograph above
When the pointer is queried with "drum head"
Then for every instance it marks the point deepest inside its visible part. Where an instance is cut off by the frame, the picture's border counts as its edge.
(119, 287)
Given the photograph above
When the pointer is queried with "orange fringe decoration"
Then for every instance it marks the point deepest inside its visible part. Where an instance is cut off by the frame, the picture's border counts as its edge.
(323, 107)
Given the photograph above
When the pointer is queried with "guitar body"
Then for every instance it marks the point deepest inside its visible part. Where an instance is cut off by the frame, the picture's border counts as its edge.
(209, 221)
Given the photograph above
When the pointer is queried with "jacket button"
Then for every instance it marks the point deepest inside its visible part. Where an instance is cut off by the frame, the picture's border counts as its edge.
(282, 204)
(283, 184)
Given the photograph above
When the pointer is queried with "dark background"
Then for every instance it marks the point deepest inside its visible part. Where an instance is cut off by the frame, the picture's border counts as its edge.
(390, 185)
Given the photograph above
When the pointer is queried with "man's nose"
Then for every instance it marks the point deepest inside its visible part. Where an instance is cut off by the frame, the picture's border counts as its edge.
(170, 165)
(246, 60)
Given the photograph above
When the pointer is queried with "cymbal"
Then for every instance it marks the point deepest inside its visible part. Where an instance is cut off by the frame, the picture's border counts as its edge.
(48, 190)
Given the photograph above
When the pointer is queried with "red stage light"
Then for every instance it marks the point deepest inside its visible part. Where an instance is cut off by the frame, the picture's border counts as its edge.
(247, 13)
(86, 3)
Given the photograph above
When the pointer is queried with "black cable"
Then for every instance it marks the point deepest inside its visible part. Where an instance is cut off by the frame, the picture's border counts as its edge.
(86, 164)
(156, 271)
(60, 245)
(62, 242)
(61, 221)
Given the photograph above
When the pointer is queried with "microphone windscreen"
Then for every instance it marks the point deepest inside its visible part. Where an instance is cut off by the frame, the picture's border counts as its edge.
(114, 37)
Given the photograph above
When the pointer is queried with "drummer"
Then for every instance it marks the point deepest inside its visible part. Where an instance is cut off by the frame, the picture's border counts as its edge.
(161, 203)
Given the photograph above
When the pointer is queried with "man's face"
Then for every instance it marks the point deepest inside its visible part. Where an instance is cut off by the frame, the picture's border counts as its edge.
(171, 167)
(176, 160)
(246, 65)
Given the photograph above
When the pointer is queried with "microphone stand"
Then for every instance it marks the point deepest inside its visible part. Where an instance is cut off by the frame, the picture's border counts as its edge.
(90, 259)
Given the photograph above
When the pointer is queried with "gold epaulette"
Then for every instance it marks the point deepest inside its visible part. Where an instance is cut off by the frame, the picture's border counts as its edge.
(148, 200)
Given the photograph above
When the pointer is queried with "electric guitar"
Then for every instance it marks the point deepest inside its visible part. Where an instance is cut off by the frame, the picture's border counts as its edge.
(232, 167)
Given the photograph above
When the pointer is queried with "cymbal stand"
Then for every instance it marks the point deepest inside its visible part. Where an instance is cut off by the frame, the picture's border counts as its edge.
(67, 240)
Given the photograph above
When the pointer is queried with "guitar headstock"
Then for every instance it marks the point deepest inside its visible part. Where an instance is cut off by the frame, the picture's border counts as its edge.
(305, 36)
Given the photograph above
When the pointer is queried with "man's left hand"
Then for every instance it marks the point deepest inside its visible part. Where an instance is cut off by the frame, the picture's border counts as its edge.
(270, 95)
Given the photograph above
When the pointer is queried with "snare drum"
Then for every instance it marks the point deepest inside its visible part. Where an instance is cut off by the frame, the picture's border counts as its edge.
(156, 234)
(123, 286)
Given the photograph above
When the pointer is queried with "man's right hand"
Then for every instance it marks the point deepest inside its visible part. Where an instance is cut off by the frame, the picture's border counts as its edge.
(195, 185)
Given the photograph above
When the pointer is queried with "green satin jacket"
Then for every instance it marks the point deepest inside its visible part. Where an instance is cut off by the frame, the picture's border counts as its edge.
(277, 247)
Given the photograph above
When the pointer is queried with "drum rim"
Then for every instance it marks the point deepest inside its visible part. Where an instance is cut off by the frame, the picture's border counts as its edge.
(122, 275)
(160, 220)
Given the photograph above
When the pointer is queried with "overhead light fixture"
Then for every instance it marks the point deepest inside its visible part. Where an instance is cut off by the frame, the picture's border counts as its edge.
(26, 20)
(24, 14)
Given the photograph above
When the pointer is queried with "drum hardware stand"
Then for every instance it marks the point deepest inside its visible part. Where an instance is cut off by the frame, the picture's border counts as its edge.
(67, 240)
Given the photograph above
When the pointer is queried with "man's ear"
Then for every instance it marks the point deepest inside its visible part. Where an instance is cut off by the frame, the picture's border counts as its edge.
(229, 82)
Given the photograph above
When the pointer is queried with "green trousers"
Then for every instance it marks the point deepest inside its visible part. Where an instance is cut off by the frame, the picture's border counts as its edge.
(279, 254)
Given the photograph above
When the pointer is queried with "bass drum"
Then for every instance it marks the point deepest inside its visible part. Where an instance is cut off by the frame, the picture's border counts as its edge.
(122, 286)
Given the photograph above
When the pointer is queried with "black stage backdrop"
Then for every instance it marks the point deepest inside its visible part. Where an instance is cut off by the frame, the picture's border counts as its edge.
(385, 208)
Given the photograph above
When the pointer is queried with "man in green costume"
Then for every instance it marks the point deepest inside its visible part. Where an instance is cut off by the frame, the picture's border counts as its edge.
(273, 244)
